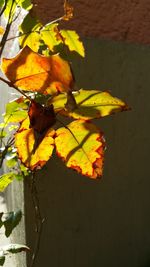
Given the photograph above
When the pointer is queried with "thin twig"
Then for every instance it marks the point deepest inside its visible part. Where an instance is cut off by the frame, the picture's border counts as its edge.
(3, 8)
(7, 30)
(35, 31)
(10, 84)
(38, 219)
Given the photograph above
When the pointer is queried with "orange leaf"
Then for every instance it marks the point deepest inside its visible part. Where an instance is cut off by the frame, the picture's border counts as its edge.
(25, 142)
(81, 147)
(31, 71)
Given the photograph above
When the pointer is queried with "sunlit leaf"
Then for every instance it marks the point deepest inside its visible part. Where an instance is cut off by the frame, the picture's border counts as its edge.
(49, 36)
(71, 39)
(25, 140)
(33, 72)
(91, 104)
(11, 163)
(5, 180)
(10, 9)
(25, 4)
(15, 111)
(81, 147)
(1, 30)
(3, 134)
(29, 33)
(11, 221)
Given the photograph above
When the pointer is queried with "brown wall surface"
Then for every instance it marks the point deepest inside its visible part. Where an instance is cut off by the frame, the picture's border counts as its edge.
(102, 223)
(119, 20)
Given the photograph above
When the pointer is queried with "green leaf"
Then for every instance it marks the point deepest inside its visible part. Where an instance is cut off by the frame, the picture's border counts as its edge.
(25, 4)
(2, 259)
(48, 35)
(2, 3)
(10, 9)
(81, 147)
(12, 221)
(3, 134)
(29, 31)
(71, 39)
(24, 170)
(11, 163)
(12, 248)
(5, 180)
(15, 112)
(91, 104)
(16, 116)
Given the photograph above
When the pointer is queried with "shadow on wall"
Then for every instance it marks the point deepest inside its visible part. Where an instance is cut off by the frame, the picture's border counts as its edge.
(103, 223)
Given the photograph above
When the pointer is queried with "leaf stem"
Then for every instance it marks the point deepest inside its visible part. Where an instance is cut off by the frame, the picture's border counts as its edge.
(38, 219)
(10, 84)
(35, 31)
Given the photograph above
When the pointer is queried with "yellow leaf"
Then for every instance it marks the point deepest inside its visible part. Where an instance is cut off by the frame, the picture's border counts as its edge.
(1, 30)
(30, 33)
(49, 36)
(25, 141)
(91, 104)
(5, 180)
(71, 39)
(32, 72)
(81, 148)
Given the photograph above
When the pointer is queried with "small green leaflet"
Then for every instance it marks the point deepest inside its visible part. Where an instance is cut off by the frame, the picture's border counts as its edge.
(11, 248)
(11, 221)
(15, 112)
(5, 180)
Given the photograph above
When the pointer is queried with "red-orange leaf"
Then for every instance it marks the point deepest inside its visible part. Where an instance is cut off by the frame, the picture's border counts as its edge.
(31, 71)
(81, 147)
(25, 144)
(41, 118)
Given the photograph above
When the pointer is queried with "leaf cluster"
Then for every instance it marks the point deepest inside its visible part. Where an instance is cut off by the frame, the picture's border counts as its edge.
(33, 124)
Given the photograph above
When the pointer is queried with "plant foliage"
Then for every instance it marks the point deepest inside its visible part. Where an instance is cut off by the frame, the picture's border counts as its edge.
(30, 132)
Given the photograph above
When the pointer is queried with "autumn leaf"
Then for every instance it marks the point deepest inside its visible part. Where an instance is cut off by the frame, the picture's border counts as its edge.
(5, 180)
(71, 39)
(49, 36)
(68, 9)
(25, 140)
(41, 118)
(31, 71)
(29, 33)
(1, 30)
(81, 147)
(91, 104)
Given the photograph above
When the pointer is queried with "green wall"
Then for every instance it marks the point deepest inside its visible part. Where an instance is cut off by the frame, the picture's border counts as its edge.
(104, 222)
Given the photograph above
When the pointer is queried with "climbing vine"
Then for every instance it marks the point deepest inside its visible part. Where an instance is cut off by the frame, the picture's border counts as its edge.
(33, 126)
